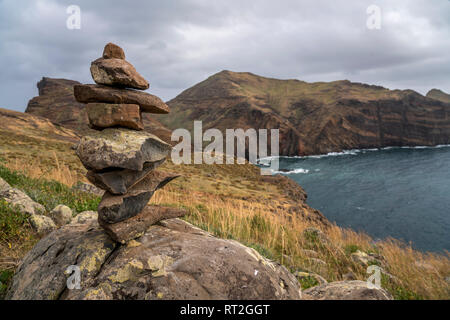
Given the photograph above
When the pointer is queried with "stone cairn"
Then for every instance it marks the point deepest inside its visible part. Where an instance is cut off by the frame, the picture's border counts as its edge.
(121, 158)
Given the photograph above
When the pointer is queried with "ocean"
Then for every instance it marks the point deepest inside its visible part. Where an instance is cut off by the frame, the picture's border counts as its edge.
(402, 193)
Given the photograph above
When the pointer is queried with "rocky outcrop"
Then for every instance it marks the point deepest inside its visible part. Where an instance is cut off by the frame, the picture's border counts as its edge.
(313, 118)
(57, 103)
(172, 260)
(346, 290)
(438, 95)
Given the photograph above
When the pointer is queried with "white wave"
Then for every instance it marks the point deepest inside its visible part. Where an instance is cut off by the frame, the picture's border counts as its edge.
(354, 152)
(299, 170)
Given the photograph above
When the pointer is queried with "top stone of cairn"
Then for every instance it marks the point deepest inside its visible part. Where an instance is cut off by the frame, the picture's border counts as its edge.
(113, 51)
(115, 71)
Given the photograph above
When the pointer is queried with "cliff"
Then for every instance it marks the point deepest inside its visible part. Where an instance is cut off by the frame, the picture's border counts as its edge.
(57, 103)
(313, 118)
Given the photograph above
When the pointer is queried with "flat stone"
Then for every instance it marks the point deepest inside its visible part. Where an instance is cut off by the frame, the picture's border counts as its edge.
(117, 72)
(86, 93)
(106, 115)
(113, 51)
(121, 148)
(116, 208)
(136, 226)
(120, 180)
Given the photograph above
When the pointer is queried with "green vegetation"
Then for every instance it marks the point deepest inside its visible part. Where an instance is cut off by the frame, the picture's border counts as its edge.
(50, 193)
(5, 278)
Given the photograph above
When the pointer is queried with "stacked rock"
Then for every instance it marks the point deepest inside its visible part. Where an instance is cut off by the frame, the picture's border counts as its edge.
(121, 158)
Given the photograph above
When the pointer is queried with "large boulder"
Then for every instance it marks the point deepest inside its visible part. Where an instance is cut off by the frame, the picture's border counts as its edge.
(346, 290)
(121, 148)
(118, 73)
(172, 260)
(86, 93)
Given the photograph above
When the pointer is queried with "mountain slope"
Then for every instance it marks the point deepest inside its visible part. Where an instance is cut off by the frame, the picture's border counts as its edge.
(439, 95)
(313, 118)
(57, 103)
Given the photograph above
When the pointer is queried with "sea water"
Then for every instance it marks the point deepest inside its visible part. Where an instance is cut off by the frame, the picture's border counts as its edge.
(402, 193)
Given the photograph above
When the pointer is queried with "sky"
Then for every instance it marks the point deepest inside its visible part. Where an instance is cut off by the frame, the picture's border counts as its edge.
(176, 44)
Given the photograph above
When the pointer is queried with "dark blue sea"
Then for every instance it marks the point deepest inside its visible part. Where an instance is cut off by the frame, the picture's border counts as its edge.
(402, 193)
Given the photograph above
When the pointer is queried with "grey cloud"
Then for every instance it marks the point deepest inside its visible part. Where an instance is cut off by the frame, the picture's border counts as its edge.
(176, 44)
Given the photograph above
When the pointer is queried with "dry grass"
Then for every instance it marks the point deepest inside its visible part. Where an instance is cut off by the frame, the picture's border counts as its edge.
(34, 168)
(282, 237)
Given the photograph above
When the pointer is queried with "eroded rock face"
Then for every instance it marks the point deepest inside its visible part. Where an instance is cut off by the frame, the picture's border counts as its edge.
(173, 260)
(346, 290)
(87, 93)
(106, 115)
(116, 208)
(121, 148)
(117, 72)
(120, 180)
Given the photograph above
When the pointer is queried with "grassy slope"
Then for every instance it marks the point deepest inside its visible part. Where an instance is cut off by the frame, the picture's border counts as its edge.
(230, 201)
(439, 95)
(279, 94)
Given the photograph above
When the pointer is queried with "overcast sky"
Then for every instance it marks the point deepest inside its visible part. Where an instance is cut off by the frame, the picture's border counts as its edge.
(175, 44)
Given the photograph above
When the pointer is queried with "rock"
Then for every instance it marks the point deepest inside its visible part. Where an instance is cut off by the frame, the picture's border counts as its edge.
(113, 51)
(121, 148)
(349, 276)
(57, 103)
(120, 180)
(346, 290)
(317, 265)
(42, 224)
(309, 253)
(87, 93)
(170, 261)
(315, 235)
(61, 215)
(105, 115)
(305, 275)
(24, 203)
(116, 208)
(84, 217)
(136, 226)
(88, 188)
(4, 186)
(117, 72)
(360, 257)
